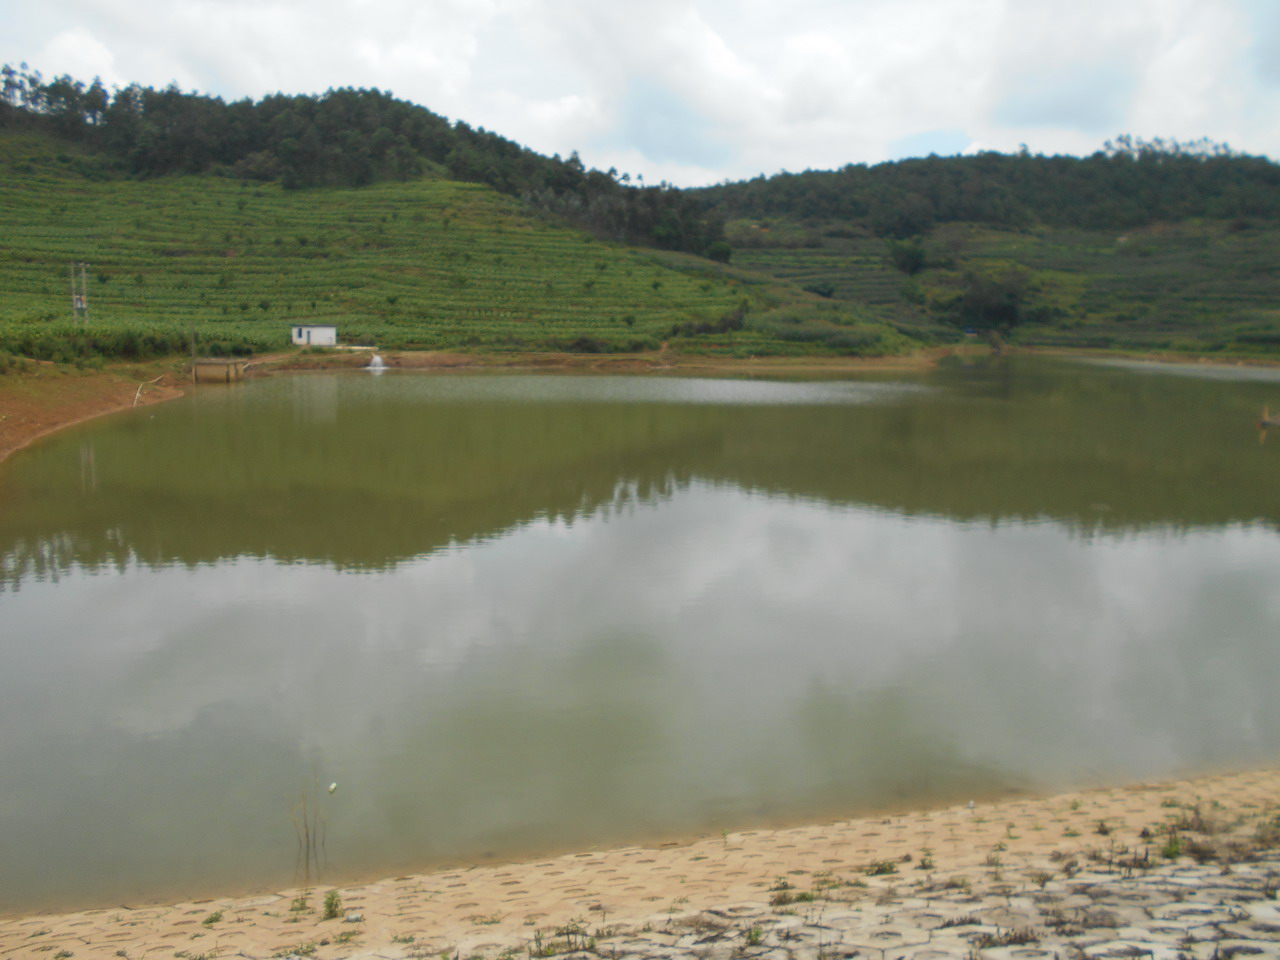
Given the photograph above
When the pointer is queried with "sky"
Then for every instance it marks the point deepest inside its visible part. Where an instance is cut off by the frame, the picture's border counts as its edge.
(701, 91)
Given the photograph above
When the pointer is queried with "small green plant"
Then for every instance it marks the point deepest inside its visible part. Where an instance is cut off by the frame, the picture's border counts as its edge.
(1015, 937)
(1172, 849)
(1194, 821)
(880, 868)
(754, 936)
(571, 938)
(332, 905)
(409, 938)
(781, 891)
(826, 881)
(539, 947)
(212, 918)
(299, 904)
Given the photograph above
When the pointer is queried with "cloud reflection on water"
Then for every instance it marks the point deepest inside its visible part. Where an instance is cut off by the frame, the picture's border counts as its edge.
(709, 656)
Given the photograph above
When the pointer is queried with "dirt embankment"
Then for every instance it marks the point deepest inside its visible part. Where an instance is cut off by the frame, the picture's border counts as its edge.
(47, 397)
(661, 362)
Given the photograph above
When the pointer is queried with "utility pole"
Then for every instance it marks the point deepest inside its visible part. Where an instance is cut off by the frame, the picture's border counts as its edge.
(80, 292)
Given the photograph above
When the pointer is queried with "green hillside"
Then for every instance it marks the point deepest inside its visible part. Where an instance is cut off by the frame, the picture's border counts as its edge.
(408, 230)
(428, 263)
(1200, 285)
(1142, 245)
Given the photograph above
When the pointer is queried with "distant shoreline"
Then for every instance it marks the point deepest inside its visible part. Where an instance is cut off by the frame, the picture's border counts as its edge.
(35, 406)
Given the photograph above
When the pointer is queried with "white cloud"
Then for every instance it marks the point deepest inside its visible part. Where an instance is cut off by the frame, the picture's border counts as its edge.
(700, 90)
(90, 57)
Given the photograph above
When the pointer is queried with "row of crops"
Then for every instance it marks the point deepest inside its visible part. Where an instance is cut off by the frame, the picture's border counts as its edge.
(1195, 286)
(429, 264)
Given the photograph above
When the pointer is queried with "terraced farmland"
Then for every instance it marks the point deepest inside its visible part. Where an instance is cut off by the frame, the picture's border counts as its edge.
(849, 270)
(426, 264)
(1197, 286)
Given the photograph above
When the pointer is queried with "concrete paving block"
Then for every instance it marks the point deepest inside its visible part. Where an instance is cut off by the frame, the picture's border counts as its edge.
(1260, 949)
(1024, 952)
(886, 937)
(927, 952)
(1196, 911)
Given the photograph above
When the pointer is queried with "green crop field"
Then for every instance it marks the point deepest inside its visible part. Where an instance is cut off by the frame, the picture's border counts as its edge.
(1196, 286)
(439, 264)
(428, 264)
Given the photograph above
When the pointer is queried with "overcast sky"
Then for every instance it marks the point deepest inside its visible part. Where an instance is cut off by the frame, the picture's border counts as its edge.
(698, 91)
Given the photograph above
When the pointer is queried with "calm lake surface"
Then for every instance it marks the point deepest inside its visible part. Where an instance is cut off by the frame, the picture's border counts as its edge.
(514, 614)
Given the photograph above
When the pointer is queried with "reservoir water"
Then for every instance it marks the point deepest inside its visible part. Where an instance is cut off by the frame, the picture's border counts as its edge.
(509, 614)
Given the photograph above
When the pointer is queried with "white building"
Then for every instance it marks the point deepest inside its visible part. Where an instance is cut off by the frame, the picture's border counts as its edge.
(315, 335)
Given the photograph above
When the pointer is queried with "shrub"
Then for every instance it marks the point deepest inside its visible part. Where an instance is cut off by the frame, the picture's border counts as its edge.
(332, 905)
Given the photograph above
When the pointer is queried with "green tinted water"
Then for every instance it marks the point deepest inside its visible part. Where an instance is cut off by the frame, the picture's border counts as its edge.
(513, 614)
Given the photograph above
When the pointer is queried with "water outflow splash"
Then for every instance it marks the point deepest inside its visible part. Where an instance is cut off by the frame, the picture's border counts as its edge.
(376, 365)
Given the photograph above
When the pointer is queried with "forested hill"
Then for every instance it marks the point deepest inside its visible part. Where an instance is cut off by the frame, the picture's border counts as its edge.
(1129, 183)
(353, 137)
(347, 138)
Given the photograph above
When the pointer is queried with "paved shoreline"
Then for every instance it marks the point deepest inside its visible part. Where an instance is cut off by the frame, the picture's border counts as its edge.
(1187, 870)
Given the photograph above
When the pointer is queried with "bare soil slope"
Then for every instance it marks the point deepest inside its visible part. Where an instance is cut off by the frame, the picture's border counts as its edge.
(48, 397)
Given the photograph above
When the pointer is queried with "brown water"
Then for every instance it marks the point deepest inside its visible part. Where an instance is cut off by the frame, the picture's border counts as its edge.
(509, 614)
